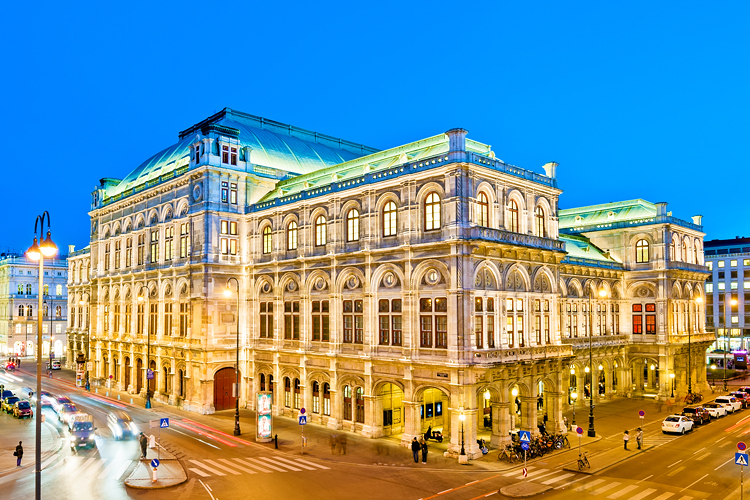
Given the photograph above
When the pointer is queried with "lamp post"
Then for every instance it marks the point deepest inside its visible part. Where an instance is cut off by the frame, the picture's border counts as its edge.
(81, 303)
(462, 417)
(727, 330)
(713, 375)
(37, 252)
(671, 375)
(574, 397)
(228, 293)
(142, 300)
(698, 300)
(602, 294)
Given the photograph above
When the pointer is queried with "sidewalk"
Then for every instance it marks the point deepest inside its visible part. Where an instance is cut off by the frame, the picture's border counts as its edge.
(25, 431)
(169, 472)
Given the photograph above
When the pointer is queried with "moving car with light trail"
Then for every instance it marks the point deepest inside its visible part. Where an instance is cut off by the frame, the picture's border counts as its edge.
(121, 425)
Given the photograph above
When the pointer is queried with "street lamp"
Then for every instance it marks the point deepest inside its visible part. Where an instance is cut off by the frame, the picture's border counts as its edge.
(602, 294)
(671, 375)
(574, 397)
(81, 303)
(698, 300)
(727, 330)
(142, 300)
(462, 417)
(38, 251)
(713, 375)
(228, 293)
(49, 314)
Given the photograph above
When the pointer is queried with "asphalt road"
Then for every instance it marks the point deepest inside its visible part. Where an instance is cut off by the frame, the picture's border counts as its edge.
(220, 466)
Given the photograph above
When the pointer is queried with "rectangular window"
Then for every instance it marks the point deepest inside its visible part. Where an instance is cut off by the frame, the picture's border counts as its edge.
(650, 308)
(153, 319)
(509, 328)
(538, 329)
(128, 318)
(224, 192)
(651, 324)
(291, 320)
(320, 321)
(709, 288)
(491, 331)
(519, 331)
(167, 318)
(154, 246)
(720, 264)
(353, 321)
(139, 319)
(733, 263)
(117, 318)
(184, 318)
(184, 240)
(233, 193)
(106, 256)
(722, 286)
(733, 285)
(478, 333)
(106, 319)
(168, 243)
(546, 330)
(117, 253)
(637, 324)
(128, 252)
(266, 320)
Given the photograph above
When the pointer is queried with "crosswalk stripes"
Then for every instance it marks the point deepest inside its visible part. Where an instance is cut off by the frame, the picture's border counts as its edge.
(91, 467)
(247, 465)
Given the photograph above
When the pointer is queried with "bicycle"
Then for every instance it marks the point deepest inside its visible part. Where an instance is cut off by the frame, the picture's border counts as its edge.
(561, 441)
(583, 461)
(508, 454)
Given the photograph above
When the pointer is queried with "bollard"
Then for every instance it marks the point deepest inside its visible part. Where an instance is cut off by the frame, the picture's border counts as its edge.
(153, 475)
(96, 390)
(131, 401)
(118, 397)
(107, 394)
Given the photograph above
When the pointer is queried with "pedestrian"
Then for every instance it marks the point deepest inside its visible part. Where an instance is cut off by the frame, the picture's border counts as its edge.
(565, 424)
(428, 434)
(539, 402)
(542, 428)
(276, 441)
(625, 439)
(544, 419)
(18, 453)
(424, 451)
(143, 441)
(342, 442)
(639, 437)
(415, 447)
(332, 442)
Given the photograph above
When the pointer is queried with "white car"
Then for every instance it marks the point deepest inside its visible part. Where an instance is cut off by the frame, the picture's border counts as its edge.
(715, 409)
(676, 423)
(731, 403)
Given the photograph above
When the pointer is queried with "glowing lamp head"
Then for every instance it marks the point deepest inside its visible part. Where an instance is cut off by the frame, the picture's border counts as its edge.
(699, 300)
(487, 395)
(586, 369)
(671, 375)
(81, 302)
(713, 366)
(653, 367)
(141, 298)
(733, 302)
(574, 395)
(572, 371)
(34, 252)
(602, 293)
(601, 368)
(48, 247)
(227, 292)
(514, 392)
(462, 417)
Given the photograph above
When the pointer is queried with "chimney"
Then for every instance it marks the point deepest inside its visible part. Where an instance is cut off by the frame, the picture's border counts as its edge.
(550, 169)
(697, 219)
(457, 139)
(661, 208)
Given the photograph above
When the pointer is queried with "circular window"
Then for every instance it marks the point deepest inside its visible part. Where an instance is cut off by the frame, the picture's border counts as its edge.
(320, 284)
(292, 286)
(352, 282)
(266, 288)
(432, 277)
(389, 280)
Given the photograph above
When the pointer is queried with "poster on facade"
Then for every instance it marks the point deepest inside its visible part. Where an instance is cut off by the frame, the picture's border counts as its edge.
(265, 417)
(80, 375)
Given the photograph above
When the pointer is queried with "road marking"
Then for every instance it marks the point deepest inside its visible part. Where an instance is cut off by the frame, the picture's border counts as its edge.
(214, 463)
(559, 478)
(643, 494)
(518, 471)
(467, 484)
(571, 482)
(645, 478)
(722, 439)
(209, 469)
(485, 496)
(677, 462)
(676, 471)
(623, 491)
(605, 488)
(664, 496)
(199, 472)
(119, 470)
(280, 464)
(699, 450)
(686, 497)
(226, 460)
(589, 485)
(245, 462)
(208, 490)
(545, 475)
(286, 460)
(267, 465)
(722, 465)
(93, 468)
(708, 453)
(722, 445)
(445, 491)
(299, 460)
(701, 479)
(193, 437)
(464, 486)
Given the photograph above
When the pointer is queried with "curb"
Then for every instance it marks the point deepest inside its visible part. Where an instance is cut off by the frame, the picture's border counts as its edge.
(524, 490)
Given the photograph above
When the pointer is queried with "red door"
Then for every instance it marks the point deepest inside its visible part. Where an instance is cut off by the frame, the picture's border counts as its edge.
(223, 380)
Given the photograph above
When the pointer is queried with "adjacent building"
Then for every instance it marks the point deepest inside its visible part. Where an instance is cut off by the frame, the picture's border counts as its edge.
(430, 284)
(19, 311)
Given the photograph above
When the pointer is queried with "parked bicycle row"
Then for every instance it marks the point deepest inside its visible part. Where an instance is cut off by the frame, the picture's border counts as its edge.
(538, 446)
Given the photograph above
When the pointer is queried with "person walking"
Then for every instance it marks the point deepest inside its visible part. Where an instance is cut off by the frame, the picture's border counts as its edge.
(18, 453)
(415, 447)
(342, 443)
(639, 437)
(332, 441)
(625, 439)
(143, 441)
(424, 451)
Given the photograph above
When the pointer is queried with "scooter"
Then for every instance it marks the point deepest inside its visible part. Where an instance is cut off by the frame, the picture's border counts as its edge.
(436, 435)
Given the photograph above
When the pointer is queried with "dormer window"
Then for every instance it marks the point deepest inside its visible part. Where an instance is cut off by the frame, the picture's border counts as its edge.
(197, 154)
(229, 154)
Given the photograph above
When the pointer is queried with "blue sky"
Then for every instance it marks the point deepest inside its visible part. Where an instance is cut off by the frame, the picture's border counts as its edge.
(633, 100)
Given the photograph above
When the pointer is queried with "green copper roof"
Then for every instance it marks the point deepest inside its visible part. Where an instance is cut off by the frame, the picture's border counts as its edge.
(607, 213)
(274, 144)
(580, 247)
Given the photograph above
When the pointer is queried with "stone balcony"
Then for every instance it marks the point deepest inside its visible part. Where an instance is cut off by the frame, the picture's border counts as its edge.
(518, 354)
(597, 341)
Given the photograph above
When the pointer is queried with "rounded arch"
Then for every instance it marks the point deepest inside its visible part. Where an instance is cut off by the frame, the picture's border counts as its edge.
(486, 188)
(262, 280)
(378, 384)
(318, 376)
(522, 272)
(182, 208)
(544, 272)
(116, 228)
(424, 266)
(575, 288)
(385, 198)
(617, 291)
(495, 393)
(166, 212)
(263, 223)
(312, 279)
(140, 221)
(352, 381)
(487, 265)
(104, 232)
(634, 286)
(317, 212)
(523, 389)
(127, 225)
(676, 290)
(153, 217)
(345, 274)
(182, 287)
(562, 287)
(377, 276)
(428, 188)
(419, 390)
(517, 196)
(165, 288)
(289, 372)
(542, 201)
(348, 205)
(288, 218)
(288, 278)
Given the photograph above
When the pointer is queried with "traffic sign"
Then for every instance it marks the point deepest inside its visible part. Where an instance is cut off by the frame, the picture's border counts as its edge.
(164, 423)
(302, 420)
(525, 436)
(642, 413)
(525, 472)
(579, 430)
(740, 459)
(302, 411)
(741, 446)
(155, 462)
(524, 445)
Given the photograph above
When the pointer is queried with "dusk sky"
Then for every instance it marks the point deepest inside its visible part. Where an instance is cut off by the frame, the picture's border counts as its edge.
(633, 100)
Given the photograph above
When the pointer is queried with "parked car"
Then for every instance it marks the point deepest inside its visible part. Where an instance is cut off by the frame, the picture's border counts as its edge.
(715, 409)
(66, 411)
(745, 388)
(730, 402)
(697, 414)
(7, 404)
(5, 394)
(742, 396)
(22, 409)
(56, 365)
(121, 425)
(676, 423)
(59, 401)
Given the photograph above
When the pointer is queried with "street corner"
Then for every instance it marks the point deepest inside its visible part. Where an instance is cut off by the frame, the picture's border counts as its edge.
(168, 473)
(524, 490)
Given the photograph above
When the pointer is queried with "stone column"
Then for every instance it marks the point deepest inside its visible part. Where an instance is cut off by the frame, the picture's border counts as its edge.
(500, 425)
(528, 414)
(554, 417)
(412, 423)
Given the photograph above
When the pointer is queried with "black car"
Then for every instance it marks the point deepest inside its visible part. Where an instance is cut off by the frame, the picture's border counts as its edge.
(697, 414)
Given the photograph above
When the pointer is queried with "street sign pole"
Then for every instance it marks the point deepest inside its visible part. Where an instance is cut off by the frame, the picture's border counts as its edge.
(302, 426)
(525, 476)
(741, 446)
(642, 414)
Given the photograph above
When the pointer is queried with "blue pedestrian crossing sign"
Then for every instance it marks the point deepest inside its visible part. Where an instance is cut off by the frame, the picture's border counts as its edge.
(164, 423)
(155, 462)
(740, 459)
(525, 436)
(303, 420)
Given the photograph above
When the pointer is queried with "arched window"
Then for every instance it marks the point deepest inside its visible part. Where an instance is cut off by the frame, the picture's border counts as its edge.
(28, 289)
(641, 251)
(262, 382)
(352, 225)
(347, 402)
(316, 397)
(267, 246)
(483, 210)
(165, 384)
(58, 290)
(270, 384)
(291, 236)
(695, 252)
(389, 219)
(320, 231)
(539, 222)
(181, 376)
(29, 311)
(46, 310)
(326, 399)
(287, 392)
(673, 250)
(432, 212)
(360, 403)
(20, 289)
(512, 225)
(58, 312)
(685, 253)
(297, 391)
(46, 289)
(20, 310)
